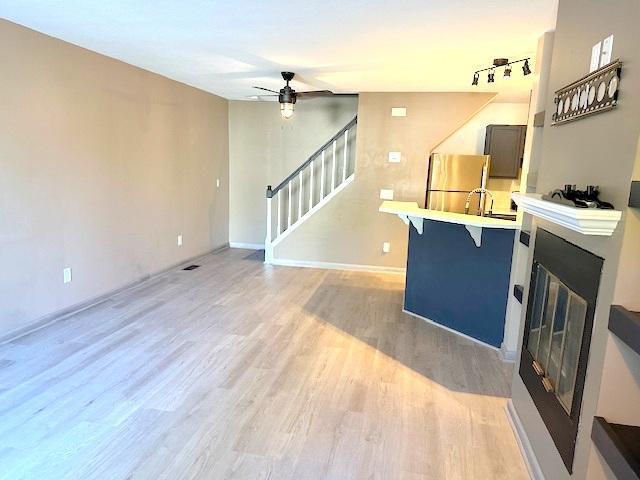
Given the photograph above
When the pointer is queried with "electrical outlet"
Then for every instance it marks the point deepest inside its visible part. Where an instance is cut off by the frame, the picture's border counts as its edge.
(66, 275)
(386, 194)
(395, 157)
(217, 183)
(386, 247)
(398, 112)
(179, 240)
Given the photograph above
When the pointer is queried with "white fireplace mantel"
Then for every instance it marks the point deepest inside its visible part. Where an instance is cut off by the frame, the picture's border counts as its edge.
(588, 221)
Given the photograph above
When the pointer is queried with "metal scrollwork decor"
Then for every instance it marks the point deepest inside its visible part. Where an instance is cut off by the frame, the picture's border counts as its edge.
(594, 93)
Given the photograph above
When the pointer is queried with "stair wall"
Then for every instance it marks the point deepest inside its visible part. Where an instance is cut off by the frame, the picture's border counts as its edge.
(349, 230)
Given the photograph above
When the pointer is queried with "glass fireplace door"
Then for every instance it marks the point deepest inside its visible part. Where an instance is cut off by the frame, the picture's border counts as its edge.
(555, 335)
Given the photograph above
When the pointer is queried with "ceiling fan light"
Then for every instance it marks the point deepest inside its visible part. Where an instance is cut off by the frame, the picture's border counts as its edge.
(286, 110)
(491, 77)
(507, 72)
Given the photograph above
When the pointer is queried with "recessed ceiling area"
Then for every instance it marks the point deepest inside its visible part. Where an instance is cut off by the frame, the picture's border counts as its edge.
(225, 47)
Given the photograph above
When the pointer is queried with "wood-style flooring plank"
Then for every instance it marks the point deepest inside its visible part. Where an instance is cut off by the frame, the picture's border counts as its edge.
(239, 370)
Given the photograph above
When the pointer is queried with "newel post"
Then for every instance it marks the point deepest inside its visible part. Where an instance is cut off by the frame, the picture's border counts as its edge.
(268, 249)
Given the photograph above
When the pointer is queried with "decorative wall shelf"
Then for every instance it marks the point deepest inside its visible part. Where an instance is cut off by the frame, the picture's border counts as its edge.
(594, 93)
(634, 196)
(588, 221)
(518, 291)
(619, 445)
(626, 326)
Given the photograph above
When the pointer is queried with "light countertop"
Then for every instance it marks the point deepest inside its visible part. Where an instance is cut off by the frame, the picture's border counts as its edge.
(411, 209)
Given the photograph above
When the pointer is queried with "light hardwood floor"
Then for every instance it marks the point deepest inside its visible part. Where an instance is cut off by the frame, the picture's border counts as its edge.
(245, 371)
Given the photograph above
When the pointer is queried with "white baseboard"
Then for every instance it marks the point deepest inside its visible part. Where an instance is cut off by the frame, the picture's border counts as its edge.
(439, 325)
(247, 246)
(530, 460)
(507, 355)
(338, 266)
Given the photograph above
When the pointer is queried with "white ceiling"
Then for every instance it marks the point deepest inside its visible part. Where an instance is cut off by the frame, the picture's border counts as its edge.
(225, 46)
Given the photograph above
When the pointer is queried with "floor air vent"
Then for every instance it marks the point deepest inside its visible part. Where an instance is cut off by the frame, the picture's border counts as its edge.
(191, 267)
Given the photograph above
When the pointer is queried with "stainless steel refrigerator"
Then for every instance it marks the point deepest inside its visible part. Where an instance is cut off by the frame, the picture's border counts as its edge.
(451, 178)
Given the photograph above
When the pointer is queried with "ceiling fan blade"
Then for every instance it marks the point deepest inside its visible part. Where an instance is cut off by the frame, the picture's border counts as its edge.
(316, 93)
(266, 89)
(261, 97)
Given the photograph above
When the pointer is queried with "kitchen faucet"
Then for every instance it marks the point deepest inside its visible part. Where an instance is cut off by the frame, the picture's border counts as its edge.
(482, 191)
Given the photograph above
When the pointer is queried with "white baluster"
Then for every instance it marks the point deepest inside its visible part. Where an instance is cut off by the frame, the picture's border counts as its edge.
(279, 229)
(333, 167)
(289, 206)
(311, 185)
(344, 163)
(322, 177)
(300, 195)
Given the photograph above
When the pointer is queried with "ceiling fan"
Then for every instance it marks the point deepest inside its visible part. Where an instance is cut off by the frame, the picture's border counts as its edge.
(287, 96)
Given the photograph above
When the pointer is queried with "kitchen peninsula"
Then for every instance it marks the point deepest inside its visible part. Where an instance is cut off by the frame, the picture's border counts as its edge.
(458, 269)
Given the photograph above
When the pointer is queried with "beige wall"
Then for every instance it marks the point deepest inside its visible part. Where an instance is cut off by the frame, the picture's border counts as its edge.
(264, 149)
(599, 150)
(619, 399)
(102, 165)
(469, 140)
(349, 229)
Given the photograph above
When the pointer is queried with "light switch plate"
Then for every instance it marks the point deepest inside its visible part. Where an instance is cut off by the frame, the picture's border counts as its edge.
(179, 240)
(607, 50)
(395, 157)
(66, 275)
(595, 57)
(386, 247)
(398, 112)
(386, 194)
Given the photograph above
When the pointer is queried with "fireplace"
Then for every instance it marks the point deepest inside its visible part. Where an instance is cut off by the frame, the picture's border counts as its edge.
(562, 298)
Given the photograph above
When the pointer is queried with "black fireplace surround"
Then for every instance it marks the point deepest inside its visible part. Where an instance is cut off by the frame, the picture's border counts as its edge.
(555, 349)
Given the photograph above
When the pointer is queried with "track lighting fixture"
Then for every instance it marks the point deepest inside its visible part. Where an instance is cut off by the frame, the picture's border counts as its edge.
(501, 62)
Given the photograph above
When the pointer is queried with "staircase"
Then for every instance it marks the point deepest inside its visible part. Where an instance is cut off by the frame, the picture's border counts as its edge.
(310, 186)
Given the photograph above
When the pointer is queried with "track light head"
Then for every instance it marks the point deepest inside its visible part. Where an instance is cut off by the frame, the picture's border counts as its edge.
(499, 63)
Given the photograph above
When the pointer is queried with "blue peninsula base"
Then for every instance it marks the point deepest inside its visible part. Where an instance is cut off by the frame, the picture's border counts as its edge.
(452, 282)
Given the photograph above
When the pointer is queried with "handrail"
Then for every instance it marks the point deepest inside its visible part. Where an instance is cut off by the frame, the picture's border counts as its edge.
(272, 191)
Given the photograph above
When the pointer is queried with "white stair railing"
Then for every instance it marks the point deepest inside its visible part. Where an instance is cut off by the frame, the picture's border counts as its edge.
(305, 180)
